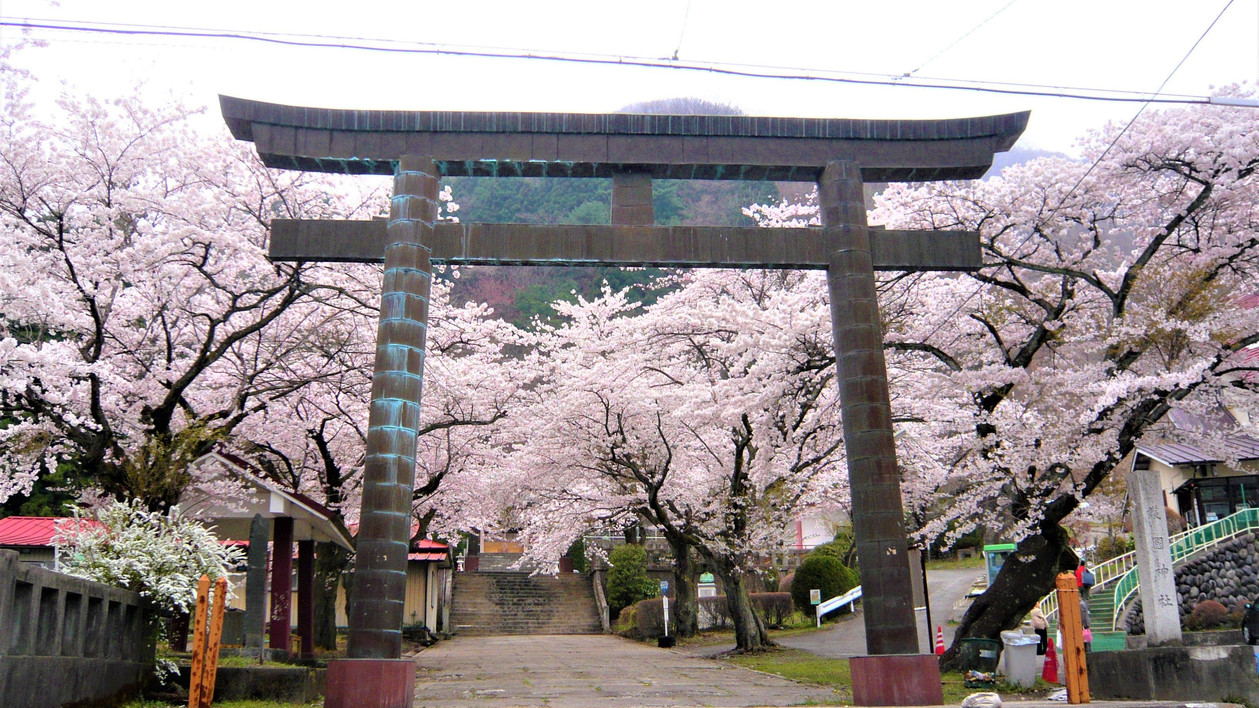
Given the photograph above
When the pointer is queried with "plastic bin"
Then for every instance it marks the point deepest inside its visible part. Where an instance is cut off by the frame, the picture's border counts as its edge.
(1020, 658)
(977, 654)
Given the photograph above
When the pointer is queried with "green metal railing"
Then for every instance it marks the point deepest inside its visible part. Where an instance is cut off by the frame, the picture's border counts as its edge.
(1117, 579)
(1187, 544)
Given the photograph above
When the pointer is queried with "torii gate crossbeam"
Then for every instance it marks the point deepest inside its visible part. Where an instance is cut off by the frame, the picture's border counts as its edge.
(419, 147)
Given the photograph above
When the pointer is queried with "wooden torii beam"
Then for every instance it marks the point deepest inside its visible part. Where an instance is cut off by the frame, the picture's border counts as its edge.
(419, 147)
(660, 246)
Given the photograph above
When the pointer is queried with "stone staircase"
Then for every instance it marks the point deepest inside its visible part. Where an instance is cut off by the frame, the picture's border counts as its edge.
(511, 602)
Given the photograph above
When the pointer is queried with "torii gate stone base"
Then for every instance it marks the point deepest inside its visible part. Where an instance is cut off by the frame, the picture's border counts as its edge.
(419, 147)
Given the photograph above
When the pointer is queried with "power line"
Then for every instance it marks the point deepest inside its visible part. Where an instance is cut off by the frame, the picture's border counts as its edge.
(958, 41)
(1092, 166)
(682, 33)
(725, 69)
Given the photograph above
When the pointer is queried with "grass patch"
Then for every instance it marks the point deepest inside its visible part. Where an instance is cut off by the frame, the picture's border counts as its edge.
(797, 665)
(955, 564)
(798, 623)
(227, 704)
(835, 673)
(795, 631)
(236, 661)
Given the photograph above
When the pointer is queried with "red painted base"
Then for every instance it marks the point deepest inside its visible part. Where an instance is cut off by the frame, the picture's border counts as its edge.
(896, 680)
(370, 683)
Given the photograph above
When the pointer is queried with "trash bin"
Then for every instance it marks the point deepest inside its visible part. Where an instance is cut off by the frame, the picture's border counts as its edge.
(977, 654)
(1020, 658)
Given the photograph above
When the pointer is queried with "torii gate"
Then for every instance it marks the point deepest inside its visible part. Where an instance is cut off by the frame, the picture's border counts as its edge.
(419, 147)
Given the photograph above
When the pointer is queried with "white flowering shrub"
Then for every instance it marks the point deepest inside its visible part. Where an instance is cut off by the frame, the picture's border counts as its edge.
(160, 556)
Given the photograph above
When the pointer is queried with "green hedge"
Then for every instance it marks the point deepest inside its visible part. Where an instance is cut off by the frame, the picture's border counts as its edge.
(823, 572)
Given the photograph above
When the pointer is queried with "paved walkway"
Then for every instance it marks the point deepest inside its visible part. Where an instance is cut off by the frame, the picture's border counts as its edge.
(585, 670)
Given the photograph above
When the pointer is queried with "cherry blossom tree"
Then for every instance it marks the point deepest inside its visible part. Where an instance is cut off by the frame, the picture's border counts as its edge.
(142, 321)
(711, 415)
(313, 439)
(1112, 293)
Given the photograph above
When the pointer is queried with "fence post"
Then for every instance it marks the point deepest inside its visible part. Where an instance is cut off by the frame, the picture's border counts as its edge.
(197, 671)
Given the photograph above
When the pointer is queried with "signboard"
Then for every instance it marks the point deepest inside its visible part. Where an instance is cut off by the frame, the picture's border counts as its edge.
(815, 596)
(664, 586)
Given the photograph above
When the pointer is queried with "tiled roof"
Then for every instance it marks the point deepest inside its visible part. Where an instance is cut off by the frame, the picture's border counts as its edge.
(1246, 358)
(1241, 447)
(31, 531)
(428, 550)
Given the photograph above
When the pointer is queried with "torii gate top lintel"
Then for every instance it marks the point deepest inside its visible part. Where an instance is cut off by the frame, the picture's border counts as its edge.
(601, 145)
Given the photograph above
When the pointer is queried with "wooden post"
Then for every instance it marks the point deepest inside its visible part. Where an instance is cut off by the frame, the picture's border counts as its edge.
(1069, 622)
(205, 647)
(213, 642)
(198, 643)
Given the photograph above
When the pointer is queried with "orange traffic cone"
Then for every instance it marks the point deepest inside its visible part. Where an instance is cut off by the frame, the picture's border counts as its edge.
(1050, 672)
(939, 639)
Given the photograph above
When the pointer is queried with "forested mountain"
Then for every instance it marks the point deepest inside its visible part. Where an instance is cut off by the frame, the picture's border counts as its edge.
(519, 293)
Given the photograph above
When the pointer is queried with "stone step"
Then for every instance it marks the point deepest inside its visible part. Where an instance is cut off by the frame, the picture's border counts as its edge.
(513, 602)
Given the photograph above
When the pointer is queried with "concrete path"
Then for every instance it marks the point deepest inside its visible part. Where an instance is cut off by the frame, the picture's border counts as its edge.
(585, 670)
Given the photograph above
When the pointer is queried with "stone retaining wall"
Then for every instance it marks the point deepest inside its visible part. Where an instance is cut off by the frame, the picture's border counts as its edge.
(1191, 673)
(67, 640)
(1228, 574)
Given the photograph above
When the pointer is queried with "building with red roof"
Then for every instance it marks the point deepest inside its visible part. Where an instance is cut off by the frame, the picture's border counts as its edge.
(33, 537)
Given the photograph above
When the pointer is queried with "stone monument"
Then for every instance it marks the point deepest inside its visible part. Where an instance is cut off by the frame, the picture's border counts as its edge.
(1159, 600)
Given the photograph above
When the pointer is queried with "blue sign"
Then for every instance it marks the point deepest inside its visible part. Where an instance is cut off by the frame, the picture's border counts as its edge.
(664, 586)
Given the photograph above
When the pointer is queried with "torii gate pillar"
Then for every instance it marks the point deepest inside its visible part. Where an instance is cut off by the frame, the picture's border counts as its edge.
(897, 674)
(374, 674)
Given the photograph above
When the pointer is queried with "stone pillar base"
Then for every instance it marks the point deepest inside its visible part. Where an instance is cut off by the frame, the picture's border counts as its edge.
(370, 683)
(896, 680)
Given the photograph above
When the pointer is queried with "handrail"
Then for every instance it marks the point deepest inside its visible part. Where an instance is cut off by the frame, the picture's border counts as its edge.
(1121, 570)
(837, 602)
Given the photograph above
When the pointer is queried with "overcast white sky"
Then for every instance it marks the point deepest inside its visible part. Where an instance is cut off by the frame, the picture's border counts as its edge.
(1111, 44)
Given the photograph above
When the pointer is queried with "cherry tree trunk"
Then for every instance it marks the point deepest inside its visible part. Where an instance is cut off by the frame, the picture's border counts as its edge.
(331, 562)
(1027, 576)
(685, 605)
(750, 634)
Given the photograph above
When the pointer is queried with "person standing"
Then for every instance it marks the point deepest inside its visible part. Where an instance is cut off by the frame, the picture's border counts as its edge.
(1041, 627)
(1084, 579)
(1084, 620)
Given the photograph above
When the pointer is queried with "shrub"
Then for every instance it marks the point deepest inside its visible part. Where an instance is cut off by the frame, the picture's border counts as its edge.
(1209, 614)
(784, 585)
(649, 618)
(1236, 615)
(626, 623)
(628, 581)
(775, 607)
(823, 572)
(1112, 547)
(713, 612)
(577, 554)
(160, 556)
(843, 547)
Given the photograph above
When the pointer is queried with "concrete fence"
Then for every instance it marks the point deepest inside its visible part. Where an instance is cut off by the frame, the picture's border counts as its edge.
(67, 640)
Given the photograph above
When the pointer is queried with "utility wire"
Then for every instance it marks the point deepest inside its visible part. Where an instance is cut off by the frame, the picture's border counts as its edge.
(742, 70)
(682, 33)
(958, 41)
(1089, 171)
